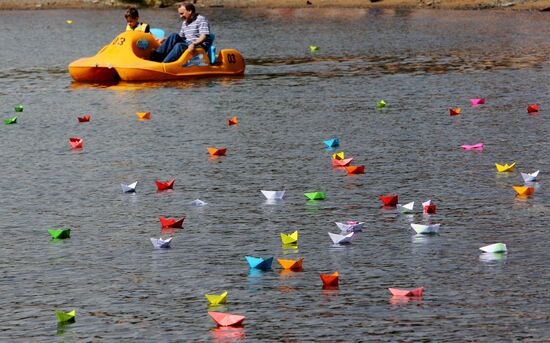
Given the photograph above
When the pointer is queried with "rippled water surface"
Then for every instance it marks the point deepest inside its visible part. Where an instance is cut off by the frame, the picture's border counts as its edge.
(289, 101)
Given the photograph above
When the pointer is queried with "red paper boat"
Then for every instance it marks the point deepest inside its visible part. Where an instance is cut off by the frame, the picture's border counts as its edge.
(407, 293)
(227, 319)
(532, 108)
(171, 223)
(330, 279)
(217, 152)
(454, 111)
(76, 143)
(341, 163)
(430, 209)
(389, 200)
(232, 121)
(84, 119)
(162, 186)
(355, 169)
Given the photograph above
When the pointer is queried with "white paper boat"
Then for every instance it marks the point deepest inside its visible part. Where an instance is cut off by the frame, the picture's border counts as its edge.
(161, 243)
(131, 188)
(341, 239)
(273, 195)
(494, 248)
(406, 208)
(426, 229)
(530, 177)
(198, 202)
(350, 226)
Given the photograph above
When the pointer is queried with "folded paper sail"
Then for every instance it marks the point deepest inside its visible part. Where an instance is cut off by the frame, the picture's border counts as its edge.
(426, 229)
(10, 121)
(355, 170)
(350, 226)
(143, 115)
(315, 195)
(198, 202)
(407, 208)
(259, 263)
(381, 104)
(232, 121)
(165, 185)
(494, 248)
(161, 243)
(478, 101)
(530, 177)
(273, 195)
(478, 146)
(338, 155)
(84, 119)
(216, 299)
(454, 111)
(65, 317)
(76, 143)
(389, 200)
(173, 223)
(291, 264)
(417, 292)
(330, 279)
(313, 48)
(290, 239)
(505, 168)
(342, 239)
(332, 143)
(226, 319)
(131, 188)
(342, 163)
(428, 207)
(19, 108)
(216, 151)
(532, 108)
(60, 233)
(524, 191)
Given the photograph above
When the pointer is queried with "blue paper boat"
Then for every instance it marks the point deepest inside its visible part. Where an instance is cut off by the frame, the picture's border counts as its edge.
(259, 263)
(331, 143)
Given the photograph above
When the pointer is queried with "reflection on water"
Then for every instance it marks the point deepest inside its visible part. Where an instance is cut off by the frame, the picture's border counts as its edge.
(228, 334)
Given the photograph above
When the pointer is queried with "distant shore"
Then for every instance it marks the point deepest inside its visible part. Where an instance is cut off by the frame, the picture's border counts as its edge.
(535, 5)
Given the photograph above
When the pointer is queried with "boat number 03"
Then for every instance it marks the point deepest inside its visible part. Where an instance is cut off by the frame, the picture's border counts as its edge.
(231, 58)
(119, 41)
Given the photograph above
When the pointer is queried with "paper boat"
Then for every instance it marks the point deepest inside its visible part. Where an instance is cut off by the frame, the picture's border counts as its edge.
(273, 195)
(131, 188)
(338, 155)
(173, 223)
(332, 143)
(313, 48)
(532, 108)
(76, 143)
(290, 239)
(426, 229)
(198, 202)
(259, 263)
(65, 317)
(406, 208)
(505, 168)
(530, 177)
(417, 292)
(217, 152)
(226, 319)
(524, 190)
(165, 185)
(143, 115)
(389, 200)
(161, 243)
(315, 195)
(476, 102)
(350, 226)
(342, 239)
(381, 104)
(342, 163)
(216, 299)
(478, 146)
(330, 279)
(494, 248)
(60, 233)
(454, 111)
(84, 119)
(355, 170)
(10, 121)
(232, 121)
(291, 264)
(428, 207)
(19, 108)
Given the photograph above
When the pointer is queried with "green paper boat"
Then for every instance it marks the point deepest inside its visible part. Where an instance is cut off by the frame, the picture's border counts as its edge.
(313, 48)
(11, 120)
(19, 108)
(315, 195)
(381, 104)
(65, 317)
(60, 233)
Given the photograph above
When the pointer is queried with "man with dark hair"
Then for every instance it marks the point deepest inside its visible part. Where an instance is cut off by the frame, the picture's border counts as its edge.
(195, 32)
(132, 21)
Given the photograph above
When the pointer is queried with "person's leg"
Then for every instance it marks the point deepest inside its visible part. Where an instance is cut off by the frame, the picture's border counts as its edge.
(166, 46)
(175, 53)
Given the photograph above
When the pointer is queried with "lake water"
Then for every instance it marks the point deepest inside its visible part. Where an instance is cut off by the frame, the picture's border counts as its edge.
(288, 102)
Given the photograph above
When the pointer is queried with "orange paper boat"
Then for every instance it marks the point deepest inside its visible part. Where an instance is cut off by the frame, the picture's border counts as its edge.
(227, 319)
(232, 121)
(407, 293)
(291, 264)
(171, 223)
(524, 190)
(341, 163)
(355, 169)
(162, 186)
(84, 119)
(389, 200)
(330, 279)
(143, 115)
(217, 152)
(454, 111)
(532, 108)
(76, 143)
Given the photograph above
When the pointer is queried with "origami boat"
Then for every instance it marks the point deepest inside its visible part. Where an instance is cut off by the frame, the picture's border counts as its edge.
(127, 57)
(426, 229)
(259, 263)
(417, 292)
(19, 108)
(65, 317)
(76, 143)
(164, 185)
(161, 243)
(10, 121)
(428, 207)
(479, 101)
(389, 200)
(216, 299)
(532, 108)
(350, 226)
(313, 48)
(341, 239)
(131, 188)
(60, 233)
(232, 121)
(84, 119)
(291, 264)
(505, 168)
(341, 163)
(524, 190)
(226, 319)
(273, 195)
(381, 104)
(216, 151)
(355, 170)
(478, 146)
(494, 248)
(530, 177)
(143, 115)
(454, 111)
(290, 239)
(332, 143)
(330, 280)
(315, 195)
(171, 223)
(338, 155)
(407, 208)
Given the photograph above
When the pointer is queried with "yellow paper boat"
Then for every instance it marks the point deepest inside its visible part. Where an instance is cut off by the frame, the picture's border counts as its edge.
(65, 317)
(216, 299)
(338, 155)
(291, 264)
(524, 191)
(505, 168)
(290, 239)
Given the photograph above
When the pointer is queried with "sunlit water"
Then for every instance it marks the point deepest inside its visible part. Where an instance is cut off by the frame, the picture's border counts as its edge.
(289, 101)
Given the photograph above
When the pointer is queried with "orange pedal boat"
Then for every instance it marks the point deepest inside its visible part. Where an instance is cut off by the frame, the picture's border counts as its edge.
(126, 58)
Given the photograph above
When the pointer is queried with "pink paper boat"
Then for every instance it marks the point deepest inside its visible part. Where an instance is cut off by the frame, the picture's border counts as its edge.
(476, 102)
(227, 319)
(478, 146)
(407, 293)
(76, 143)
(342, 163)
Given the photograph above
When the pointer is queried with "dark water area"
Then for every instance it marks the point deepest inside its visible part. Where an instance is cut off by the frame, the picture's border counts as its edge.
(289, 100)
